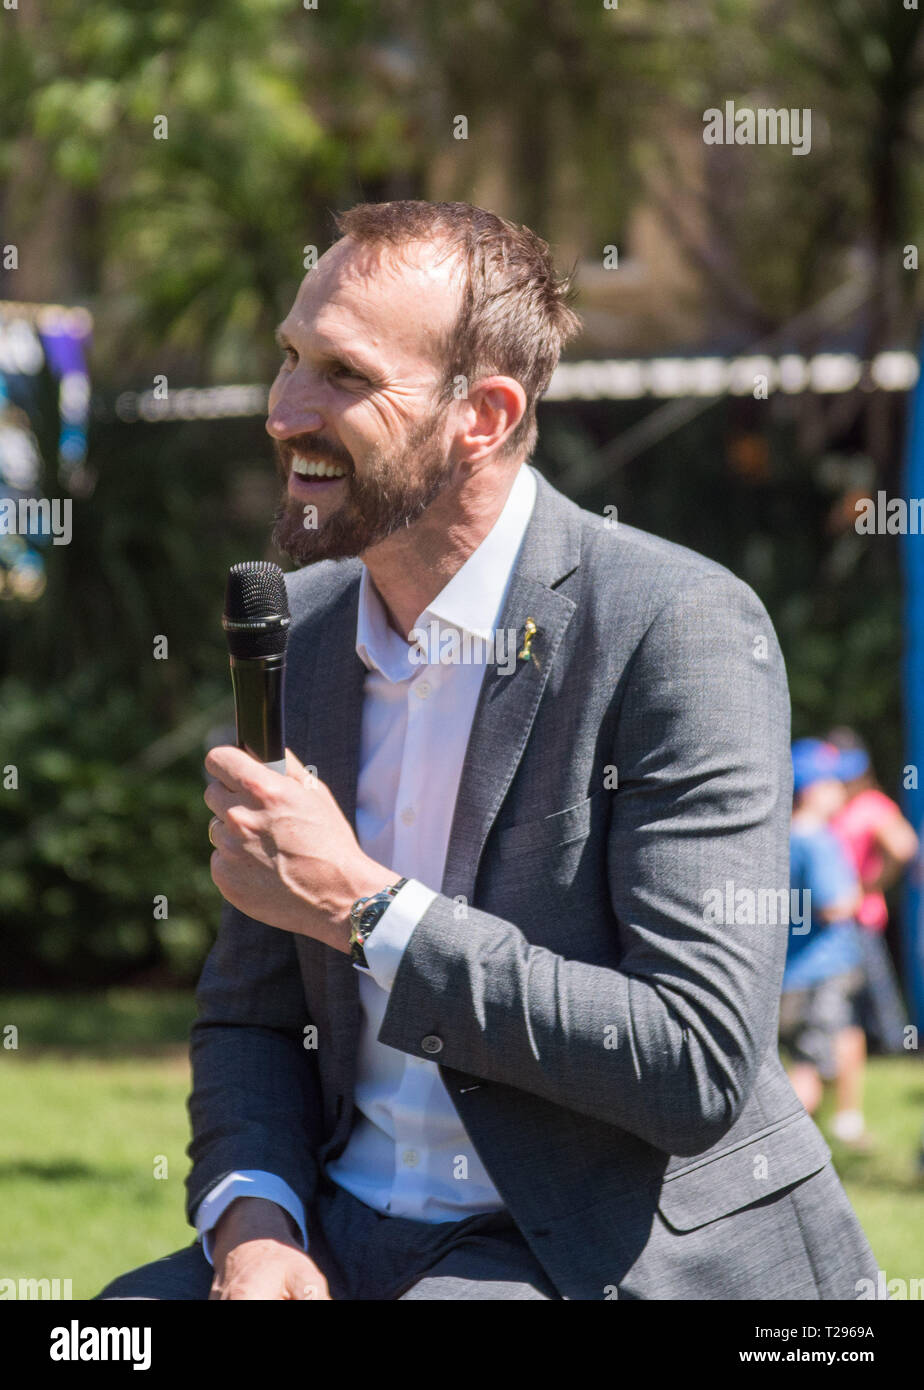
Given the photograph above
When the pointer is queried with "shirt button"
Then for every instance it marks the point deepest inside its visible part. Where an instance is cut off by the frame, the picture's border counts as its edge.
(410, 1158)
(431, 1043)
(408, 815)
(423, 689)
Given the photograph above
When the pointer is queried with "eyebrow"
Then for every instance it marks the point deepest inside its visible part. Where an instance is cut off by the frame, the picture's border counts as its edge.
(345, 359)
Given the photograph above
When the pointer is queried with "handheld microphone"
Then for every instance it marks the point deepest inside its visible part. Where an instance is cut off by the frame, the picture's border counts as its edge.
(256, 622)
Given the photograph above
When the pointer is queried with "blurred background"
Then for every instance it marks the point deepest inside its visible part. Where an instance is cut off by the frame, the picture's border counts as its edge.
(748, 372)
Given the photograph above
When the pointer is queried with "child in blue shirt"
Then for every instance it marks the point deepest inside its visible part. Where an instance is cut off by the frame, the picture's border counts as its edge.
(824, 961)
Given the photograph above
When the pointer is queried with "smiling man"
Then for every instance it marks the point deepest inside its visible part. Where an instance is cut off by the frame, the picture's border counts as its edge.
(469, 1030)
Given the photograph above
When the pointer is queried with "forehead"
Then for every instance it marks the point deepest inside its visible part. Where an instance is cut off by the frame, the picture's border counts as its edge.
(398, 303)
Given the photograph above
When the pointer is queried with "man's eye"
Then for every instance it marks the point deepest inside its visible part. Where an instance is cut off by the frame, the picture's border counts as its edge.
(291, 355)
(342, 370)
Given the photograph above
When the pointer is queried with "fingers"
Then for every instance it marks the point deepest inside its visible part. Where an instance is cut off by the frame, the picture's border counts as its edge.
(238, 771)
(317, 1292)
(230, 821)
(273, 1280)
(297, 769)
(219, 838)
(219, 800)
(241, 786)
(253, 1283)
(310, 1285)
(294, 765)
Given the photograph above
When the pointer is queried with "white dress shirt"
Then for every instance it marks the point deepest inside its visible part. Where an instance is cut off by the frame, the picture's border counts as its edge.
(408, 1153)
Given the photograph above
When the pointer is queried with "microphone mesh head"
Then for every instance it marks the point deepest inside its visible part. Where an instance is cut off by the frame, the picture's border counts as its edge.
(256, 617)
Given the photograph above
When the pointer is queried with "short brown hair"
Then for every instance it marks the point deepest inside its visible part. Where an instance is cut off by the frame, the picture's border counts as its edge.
(515, 315)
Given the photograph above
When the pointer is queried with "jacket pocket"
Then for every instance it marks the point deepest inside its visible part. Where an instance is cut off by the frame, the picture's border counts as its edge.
(561, 828)
(765, 1164)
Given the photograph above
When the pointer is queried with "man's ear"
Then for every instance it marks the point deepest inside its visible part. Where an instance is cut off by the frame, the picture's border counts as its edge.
(497, 404)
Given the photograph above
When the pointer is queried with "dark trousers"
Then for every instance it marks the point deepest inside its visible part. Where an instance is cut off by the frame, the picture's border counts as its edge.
(365, 1256)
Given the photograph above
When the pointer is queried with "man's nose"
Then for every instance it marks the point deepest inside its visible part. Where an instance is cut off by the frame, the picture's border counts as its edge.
(291, 413)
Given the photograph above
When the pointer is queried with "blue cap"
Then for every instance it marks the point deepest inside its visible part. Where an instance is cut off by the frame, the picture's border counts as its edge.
(816, 761)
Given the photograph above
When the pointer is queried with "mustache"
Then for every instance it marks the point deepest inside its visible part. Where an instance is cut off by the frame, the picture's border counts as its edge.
(312, 446)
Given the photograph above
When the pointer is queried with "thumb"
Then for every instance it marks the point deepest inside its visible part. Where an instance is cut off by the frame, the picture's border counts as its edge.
(294, 765)
(297, 769)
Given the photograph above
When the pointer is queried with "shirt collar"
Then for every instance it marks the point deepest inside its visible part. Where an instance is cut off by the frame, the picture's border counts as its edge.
(472, 599)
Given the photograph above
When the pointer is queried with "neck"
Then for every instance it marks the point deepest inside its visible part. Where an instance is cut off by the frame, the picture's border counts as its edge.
(411, 566)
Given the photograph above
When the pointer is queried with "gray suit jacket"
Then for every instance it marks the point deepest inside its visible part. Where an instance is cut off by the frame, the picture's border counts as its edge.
(609, 1045)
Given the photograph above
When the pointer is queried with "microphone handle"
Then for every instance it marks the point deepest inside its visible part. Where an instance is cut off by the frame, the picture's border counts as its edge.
(258, 685)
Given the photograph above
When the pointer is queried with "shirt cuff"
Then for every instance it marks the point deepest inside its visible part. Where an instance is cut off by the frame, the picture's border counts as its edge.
(249, 1182)
(386, 945)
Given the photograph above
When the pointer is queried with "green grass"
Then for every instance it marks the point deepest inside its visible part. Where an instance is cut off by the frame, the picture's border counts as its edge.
(95, 1095)
(886, 1191)
(92, 1098)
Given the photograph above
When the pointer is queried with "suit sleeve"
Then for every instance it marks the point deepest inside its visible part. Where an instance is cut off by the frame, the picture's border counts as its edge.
(255, 1101)
(667, 1043)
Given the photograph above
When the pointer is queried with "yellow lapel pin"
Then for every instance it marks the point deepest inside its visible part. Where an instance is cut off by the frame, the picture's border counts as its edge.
(525, 652)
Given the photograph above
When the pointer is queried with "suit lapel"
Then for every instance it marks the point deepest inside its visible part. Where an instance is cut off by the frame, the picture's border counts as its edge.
(326, 712)
(328, 705)
(507, 704)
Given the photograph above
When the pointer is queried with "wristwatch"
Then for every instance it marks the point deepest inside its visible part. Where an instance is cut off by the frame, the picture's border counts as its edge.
(364, 914)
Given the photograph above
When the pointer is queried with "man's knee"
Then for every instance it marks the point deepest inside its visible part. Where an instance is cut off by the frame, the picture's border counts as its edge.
(186, 1275)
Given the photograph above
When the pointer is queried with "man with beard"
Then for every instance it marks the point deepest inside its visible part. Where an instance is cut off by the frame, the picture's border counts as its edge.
(468, 1030)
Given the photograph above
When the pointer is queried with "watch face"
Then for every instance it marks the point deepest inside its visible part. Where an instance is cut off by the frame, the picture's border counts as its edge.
(371, 915)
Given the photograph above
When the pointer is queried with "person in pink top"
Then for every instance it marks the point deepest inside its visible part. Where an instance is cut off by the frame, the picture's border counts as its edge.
(868, 819)
(881, 843)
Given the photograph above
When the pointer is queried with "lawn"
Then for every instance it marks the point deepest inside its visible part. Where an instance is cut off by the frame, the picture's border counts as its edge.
(94, 1102)
(92, 1147)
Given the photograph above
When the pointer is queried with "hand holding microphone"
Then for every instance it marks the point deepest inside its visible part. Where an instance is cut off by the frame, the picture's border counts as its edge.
(285, 854)
(256, 623)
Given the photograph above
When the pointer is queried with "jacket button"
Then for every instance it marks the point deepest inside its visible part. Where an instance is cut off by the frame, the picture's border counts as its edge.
(431, 1043)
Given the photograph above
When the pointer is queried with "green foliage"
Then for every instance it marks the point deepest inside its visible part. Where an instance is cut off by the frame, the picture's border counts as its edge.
(108, 741)
(207, 144)
(87, 842)
(100, 1024)
(276, 115)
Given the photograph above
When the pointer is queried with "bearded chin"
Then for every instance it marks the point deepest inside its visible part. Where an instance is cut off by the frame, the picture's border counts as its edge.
(384, 500)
